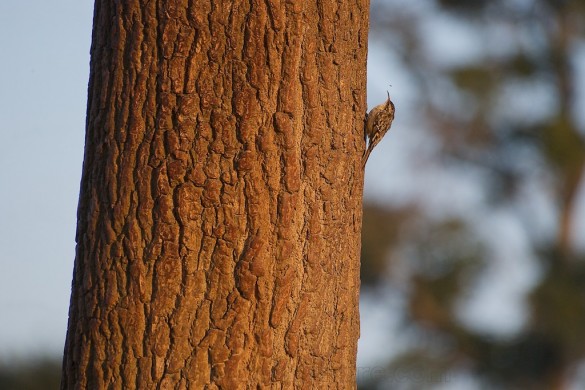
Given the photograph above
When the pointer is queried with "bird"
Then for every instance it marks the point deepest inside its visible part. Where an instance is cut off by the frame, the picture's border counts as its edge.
(378, 122)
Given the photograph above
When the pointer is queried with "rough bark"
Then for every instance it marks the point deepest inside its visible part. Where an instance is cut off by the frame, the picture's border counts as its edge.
(220, 207)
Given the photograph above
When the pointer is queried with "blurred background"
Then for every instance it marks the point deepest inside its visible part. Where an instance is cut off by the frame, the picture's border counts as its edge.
(473, 246)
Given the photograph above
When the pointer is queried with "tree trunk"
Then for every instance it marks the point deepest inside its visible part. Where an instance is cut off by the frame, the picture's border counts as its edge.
(220, 209)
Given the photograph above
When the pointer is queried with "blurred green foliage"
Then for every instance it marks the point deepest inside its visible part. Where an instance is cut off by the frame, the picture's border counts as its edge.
(380, 231)
(42, 373)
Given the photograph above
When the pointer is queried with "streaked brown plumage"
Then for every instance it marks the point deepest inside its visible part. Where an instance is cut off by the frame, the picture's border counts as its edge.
(378, 122)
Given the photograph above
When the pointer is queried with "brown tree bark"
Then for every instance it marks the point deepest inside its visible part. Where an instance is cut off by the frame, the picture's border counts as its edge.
(220, 209)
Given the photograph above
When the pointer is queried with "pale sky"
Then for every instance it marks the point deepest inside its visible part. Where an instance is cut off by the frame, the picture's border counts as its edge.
(44, 70)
